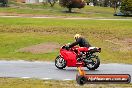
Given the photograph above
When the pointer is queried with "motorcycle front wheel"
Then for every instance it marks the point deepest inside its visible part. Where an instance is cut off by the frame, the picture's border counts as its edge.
(94, 63)
(60, 62)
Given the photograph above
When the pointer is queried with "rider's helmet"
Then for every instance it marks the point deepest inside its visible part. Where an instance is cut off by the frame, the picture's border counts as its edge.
(77, 36)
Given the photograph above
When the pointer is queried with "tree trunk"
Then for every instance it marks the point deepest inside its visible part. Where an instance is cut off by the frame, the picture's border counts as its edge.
(52, 3)
(70, 10)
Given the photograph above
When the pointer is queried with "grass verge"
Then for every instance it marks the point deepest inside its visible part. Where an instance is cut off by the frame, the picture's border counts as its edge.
(35, 83)
(114, 37)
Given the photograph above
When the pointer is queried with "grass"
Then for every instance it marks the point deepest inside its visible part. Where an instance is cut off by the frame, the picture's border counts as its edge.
(35, 83)
(16, 33)
(14, 41)
(46, 10)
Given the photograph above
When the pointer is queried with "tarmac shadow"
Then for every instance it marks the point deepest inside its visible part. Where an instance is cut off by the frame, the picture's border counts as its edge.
(76, 70)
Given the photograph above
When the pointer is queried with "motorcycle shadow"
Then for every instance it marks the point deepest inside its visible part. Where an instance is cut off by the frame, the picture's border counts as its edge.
(76, 70)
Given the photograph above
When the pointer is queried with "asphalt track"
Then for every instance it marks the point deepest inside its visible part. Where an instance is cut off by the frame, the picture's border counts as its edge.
(48, 71)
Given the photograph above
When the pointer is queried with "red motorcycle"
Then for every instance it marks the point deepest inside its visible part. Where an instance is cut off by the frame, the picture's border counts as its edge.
(78, 56)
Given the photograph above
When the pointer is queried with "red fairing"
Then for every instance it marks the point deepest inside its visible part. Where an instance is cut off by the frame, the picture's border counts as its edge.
(70, 57)
(76, 57)
(83, 49)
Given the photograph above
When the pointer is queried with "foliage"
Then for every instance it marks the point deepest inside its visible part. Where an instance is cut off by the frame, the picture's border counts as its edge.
(106, 3)
(115, 4)
(72, 4)
(52, 2)
(126, 7)
(4, 3)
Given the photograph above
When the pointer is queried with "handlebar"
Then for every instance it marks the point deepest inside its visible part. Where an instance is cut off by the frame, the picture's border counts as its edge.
(65, 47)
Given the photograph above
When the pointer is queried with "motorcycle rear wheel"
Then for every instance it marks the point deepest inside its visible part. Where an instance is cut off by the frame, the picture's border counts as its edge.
(60, 62)
(93, 65)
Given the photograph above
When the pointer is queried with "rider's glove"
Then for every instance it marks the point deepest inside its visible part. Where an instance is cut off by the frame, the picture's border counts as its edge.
(67, 47)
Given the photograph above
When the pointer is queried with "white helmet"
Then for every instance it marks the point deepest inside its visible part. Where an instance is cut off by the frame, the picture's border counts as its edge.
(77, 36)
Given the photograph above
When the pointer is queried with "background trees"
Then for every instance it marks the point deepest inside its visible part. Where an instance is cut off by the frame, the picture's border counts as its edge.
(72, 4)
(4, 3)
(52, 2)
(126, 7)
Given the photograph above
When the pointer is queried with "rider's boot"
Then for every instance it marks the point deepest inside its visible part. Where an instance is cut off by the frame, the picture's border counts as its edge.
(79, 57)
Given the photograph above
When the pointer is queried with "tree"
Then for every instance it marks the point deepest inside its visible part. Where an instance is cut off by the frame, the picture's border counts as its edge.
(72, 4)
(115, 4)
(106, 3)
(87, 1)
(126, 7)
(4, 3)
(95, 2)
(52, 2)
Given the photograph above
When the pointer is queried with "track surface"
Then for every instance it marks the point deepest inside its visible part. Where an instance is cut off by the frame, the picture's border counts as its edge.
(47, 70)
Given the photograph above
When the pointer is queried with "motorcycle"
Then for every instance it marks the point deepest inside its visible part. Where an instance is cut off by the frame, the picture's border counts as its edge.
(78, 56)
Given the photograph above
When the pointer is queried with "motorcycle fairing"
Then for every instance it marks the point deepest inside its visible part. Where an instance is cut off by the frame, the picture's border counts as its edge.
(70, 57)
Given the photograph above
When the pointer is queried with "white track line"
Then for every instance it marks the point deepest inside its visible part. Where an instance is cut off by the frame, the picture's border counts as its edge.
(25, 77)
(67, 79)
(46, 78)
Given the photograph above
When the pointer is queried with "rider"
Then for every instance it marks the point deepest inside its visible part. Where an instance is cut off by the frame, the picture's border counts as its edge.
(81, 41)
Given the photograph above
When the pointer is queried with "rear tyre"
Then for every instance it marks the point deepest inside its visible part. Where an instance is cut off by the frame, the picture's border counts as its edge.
(60, 62)
(94, 64)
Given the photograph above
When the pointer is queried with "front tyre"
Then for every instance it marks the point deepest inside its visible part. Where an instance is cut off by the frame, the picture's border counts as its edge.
(60, 62)
(94, 63)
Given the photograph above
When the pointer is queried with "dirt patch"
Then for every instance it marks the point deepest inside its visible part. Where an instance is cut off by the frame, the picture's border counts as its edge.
(123, 45)
(40, 48)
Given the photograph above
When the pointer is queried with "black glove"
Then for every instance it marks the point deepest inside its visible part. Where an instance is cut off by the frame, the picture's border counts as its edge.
(67, 47)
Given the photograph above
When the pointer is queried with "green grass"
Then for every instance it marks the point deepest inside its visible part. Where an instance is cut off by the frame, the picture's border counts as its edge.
(35, 83)
(11, 42)
(46, 10)
(16, 33)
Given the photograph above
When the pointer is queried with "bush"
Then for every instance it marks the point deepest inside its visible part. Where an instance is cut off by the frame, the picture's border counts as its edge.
(72, 4)
(126, 7)
(4, 3)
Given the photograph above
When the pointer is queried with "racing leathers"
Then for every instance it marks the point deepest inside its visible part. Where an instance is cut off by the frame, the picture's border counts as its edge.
(81, 41)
